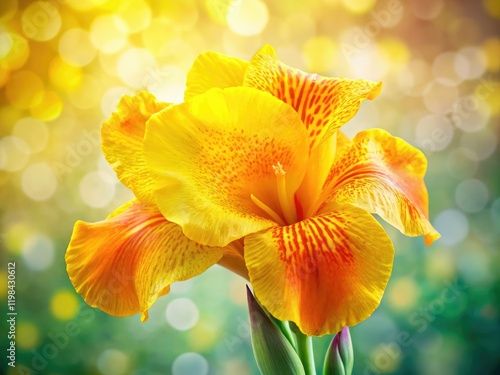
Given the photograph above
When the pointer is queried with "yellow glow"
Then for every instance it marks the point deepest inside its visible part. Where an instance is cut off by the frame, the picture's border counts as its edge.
(492, 7)
(395, 50)
(64, 76)
(388, 363)
(403, 293)
(250, 17)
(27, 335)
(64, 305)
(358, 7)
(3, 286)
(34, 132)
(106, 33)
(49, 108)
(135, 16)
(218, 10)
(491, 49)
(15, 235)
(17, 54)
(8, 9)
(24, 89)
(4, 76)
(154, 36)
(183, 15)
(493, 101)
(203, 336)
(137, 67)
(440, 266)
(5, 43)
(80, 56)
(14, 153)
(86, 5)
(109, 63)
(88, 94)
(320, 53)
(39, 181)
(41, 21)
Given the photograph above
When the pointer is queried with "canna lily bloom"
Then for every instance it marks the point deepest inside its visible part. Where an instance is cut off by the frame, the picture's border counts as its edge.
(124, 263)
(251, 172)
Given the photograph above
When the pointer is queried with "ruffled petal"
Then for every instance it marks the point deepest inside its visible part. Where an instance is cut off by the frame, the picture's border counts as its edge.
(122, 137)
(212, 69)
(322, 273)
(384, 175)
(324, 104)
(344, 144)
(210, 154)
(123, 264)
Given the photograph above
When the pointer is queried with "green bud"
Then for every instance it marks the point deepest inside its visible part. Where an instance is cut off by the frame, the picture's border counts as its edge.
(273, 352)
(339, 358)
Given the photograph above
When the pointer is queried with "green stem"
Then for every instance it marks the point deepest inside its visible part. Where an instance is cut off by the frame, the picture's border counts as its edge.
(305, 352)
(285, 328)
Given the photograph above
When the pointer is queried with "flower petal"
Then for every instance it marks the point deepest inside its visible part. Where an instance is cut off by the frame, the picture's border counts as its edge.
(322, 273)
(210, 154)
(233, 259)
(384, 175)
(122, 138)
(319, 164)
(123, 264)
(212, 69)
(344, 144)
(324, 104)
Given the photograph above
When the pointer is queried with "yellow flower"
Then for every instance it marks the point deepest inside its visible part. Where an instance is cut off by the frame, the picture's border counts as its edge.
(252, 172)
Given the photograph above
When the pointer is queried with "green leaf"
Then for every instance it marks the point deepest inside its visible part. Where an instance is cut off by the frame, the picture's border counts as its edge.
(273, 352)
(339, 359)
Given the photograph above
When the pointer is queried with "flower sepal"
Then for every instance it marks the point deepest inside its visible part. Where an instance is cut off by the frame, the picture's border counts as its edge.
(273, 352)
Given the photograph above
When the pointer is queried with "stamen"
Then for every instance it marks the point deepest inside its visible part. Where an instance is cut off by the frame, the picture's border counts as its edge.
(268, 210)
(287, 205)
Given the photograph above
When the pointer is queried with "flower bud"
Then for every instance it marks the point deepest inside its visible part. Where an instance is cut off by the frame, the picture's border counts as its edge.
(339, 358)
(273, 352)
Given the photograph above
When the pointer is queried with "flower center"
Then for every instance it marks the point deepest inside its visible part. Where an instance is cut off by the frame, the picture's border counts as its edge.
(287, 204)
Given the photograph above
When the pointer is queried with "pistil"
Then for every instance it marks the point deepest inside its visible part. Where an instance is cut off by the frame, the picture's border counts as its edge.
(287, 205)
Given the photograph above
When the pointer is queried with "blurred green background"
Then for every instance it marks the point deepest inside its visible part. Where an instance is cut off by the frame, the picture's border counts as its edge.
(64, 66)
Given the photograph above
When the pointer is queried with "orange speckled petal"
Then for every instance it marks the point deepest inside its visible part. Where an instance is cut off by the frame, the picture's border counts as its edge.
(324, 104)
(123, 264)
(384, 175)
(210, 154)
(323, 273)
(212, 69)
(122, 138)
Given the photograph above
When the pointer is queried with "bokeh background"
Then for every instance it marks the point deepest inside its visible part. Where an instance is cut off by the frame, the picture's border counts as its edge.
(65, 64)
